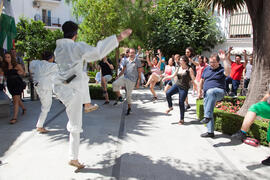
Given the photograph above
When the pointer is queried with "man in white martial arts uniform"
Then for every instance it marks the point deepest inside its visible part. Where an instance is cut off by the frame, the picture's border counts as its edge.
(69, 56)
(44, 72)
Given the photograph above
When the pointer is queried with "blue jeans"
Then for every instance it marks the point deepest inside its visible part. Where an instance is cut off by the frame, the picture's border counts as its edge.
(182, 96)
(210, 98)
(235, 85)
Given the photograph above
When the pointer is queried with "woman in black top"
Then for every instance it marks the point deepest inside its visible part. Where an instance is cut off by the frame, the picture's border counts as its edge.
(106, 68)
(15, 84)
(184, 74)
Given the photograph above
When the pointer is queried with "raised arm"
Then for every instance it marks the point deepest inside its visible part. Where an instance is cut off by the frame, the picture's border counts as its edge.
(245, 57)
(229, 55)
(148, 59)
(103, 47)
(160, 58)
(193, 62)
(226, 62)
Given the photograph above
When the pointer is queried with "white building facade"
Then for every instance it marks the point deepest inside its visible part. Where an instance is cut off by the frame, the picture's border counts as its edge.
(237, 30)
(52, 12)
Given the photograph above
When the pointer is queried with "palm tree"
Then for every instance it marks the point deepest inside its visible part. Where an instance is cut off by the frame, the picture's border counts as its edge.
(259, 11)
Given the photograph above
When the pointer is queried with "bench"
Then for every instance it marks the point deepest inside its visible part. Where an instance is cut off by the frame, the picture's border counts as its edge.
(4, 105)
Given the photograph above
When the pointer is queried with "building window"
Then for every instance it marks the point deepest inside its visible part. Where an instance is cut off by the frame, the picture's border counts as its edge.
(240, 24)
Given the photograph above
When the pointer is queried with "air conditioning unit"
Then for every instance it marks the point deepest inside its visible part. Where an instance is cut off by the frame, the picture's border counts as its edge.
(36, 4)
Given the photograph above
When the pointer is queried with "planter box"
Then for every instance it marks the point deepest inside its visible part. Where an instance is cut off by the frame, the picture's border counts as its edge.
(229, 123)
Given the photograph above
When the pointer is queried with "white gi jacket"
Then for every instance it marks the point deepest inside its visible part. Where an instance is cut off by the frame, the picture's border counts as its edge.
(44, 73)
(69, 56)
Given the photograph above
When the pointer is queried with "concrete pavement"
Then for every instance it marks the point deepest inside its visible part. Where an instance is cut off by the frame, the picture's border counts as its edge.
(144, 145)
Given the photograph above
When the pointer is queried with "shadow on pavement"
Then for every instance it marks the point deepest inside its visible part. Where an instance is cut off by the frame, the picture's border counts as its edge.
(137, 166)
(26, 123)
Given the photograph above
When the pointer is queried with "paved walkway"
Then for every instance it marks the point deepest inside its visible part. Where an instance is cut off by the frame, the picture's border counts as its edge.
(146, 145)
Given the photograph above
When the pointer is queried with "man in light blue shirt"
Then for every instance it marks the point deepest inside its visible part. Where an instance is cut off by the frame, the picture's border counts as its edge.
(131, 70)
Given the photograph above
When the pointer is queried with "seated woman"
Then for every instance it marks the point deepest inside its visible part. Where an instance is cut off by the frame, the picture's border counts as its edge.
(156, 73)
(184, 75)
(261, 109)
(15, 84)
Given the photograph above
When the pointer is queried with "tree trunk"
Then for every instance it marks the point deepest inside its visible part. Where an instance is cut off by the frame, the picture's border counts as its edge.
(260, 78)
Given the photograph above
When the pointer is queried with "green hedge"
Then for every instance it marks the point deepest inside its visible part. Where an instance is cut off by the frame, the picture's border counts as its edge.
(230, 123)
(96, 91)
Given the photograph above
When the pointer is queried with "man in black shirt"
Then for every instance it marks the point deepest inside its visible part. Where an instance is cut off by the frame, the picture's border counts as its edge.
(106, 68)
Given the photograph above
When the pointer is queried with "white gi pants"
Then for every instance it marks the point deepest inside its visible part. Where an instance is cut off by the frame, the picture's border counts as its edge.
(86, 92)
(74, 126)
(72, 99)
(45, 97)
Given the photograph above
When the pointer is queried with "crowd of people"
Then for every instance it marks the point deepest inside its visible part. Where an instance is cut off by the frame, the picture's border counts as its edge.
(64, 74)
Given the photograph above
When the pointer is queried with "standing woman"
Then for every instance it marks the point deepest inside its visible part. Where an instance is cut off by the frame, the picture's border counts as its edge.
(200, 66)
(190, 54)
(15, 84)
(156, 73)
(184, 75)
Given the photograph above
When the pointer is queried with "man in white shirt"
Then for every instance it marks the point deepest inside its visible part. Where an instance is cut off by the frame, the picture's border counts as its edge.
(248, 71)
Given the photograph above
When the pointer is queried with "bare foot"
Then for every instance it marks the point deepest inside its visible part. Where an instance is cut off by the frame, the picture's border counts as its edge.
(76, 164)
(88, 109)
(13, 121)
(169, 110)
(145, 85)
(42, 130)
(181, 122)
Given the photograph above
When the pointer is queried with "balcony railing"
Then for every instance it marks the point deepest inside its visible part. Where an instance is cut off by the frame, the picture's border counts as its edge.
(48, 21)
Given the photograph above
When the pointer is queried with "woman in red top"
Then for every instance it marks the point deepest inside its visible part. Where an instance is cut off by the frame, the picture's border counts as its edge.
(169, 70)
(200, 66)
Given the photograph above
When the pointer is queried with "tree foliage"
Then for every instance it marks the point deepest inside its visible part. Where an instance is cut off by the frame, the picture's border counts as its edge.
(106, 17)
(33, 38)
(179, 24)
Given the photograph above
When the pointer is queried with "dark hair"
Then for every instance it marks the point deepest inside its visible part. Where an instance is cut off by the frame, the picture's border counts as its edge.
(216, 56)
(207, 60)
(47, 55)
(191, 51)
(238, 55)
(185, 58)
(5, 64)
(70, 29)
(202, 57)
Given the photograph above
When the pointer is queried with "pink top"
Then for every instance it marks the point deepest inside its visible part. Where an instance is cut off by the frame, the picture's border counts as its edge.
(199, 70)
(168, 70)
(156, 70)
